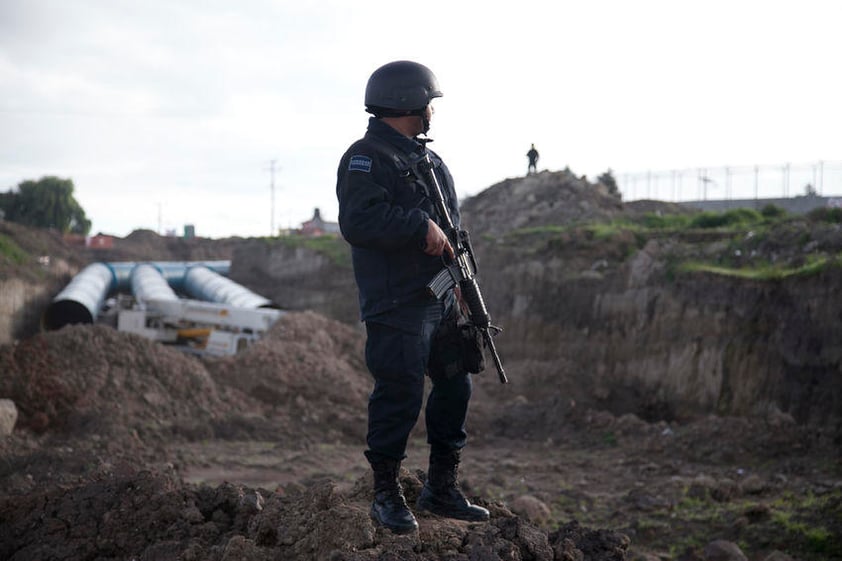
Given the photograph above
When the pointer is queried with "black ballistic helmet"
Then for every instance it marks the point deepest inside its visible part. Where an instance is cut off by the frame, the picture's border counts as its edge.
(400, 87)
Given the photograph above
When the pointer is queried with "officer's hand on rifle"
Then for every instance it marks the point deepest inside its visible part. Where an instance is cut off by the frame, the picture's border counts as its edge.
(436, 242)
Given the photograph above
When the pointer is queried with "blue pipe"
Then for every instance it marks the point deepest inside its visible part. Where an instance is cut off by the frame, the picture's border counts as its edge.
(148, 282)
(172, 271)
(82, 299)
(204, 284)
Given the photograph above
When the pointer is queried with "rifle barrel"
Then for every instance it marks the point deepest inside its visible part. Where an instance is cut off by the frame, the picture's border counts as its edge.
(489, 342)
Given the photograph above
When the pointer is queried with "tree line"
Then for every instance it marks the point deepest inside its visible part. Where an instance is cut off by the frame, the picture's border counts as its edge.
(45, 203)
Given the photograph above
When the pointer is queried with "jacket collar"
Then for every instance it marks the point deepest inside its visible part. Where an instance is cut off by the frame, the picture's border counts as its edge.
(382, 130)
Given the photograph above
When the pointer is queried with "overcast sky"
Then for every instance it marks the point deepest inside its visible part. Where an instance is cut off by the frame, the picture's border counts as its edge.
(166, 113)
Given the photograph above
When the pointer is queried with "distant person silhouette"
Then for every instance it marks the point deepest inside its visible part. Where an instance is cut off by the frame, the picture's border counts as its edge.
(533, 160)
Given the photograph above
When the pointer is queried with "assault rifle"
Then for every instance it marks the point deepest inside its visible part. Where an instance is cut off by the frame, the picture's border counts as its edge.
(461, 270)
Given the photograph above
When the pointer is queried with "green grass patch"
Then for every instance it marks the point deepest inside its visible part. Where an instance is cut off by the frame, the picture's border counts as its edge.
(12, 251)
(609, 438)
(623, 237)
(608, 230)
(540, 231)
(830, 215)
(772, 212)
(814, 538)
(738, 217)
(735, 219)
(803, 525)
(765, 271)
(653, 221)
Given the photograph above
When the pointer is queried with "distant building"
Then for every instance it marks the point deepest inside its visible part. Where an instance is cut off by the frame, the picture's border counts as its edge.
(318, 227)
(100, 241)
(75, 240)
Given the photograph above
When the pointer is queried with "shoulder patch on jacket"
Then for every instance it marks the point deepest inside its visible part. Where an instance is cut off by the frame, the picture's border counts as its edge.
(360, 163)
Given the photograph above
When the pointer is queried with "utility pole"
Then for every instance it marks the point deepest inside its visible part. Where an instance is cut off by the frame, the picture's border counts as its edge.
(727, 182)
(672, 174)
(820, 185)
(272, 190)
(705, 181)
(786, 180)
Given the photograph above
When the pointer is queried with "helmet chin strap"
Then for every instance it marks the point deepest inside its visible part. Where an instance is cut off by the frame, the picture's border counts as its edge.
(426, 123)
(426, 127)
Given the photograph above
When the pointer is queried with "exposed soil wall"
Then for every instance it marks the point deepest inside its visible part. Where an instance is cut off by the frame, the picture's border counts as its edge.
(634, 339)
(297, 278)
(20, 303)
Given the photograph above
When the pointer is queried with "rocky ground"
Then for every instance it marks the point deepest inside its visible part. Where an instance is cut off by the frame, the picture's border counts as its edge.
(125, 449)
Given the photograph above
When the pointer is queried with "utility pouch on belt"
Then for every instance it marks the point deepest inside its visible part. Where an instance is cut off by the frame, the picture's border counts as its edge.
(457, 349)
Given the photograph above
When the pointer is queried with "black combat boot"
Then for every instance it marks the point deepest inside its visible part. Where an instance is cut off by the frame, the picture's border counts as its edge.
(389, 506)
(441, 494)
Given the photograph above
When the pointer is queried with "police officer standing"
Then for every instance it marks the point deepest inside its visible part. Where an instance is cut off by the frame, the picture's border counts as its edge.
(397, 245)
(533, 160)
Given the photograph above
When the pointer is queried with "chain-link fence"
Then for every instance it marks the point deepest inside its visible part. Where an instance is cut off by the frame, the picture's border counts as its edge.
(733, 182)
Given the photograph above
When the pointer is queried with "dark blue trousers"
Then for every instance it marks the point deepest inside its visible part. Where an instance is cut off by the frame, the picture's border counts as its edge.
(397, 351)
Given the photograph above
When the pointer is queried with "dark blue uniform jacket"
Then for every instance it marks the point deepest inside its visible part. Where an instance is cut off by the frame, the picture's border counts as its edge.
(383, 212)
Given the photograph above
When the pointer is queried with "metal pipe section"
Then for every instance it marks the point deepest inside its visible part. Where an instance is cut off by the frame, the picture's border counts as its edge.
(148, 282)
(172, 271)
(203, 284)
(82, 299)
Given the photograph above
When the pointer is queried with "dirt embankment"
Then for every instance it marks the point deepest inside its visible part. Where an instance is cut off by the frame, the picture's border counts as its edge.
(698, 343)
(34, 265)
(609, 307)
(298, 278)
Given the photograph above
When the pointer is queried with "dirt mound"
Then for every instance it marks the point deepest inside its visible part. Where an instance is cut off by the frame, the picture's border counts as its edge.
(306, 373)
(546, 198)
(307, 369)
(150, 514)
(95, 374)
(92, 396)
